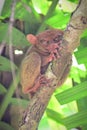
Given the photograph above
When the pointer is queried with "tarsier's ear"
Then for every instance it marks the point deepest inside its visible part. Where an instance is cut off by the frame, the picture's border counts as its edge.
(32, 39)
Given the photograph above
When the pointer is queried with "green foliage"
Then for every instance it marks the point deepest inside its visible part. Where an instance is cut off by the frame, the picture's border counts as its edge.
(59, 19)
(55, 115)
(5, 64)
(2, 89)
(75, 120)
(67, 108)
(38, 6)
(81, 55)
(16, 101)
(18, 38)
(78, 91)
(75, 1)
(5, 126)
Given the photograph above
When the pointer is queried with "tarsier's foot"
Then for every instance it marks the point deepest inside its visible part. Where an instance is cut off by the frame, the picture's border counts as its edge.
(42, 80)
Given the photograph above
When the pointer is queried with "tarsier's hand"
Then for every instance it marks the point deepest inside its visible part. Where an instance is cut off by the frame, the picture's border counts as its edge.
(53, 49)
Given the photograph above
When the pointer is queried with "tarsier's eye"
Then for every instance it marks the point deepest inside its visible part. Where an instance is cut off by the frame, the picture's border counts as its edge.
(48, 42)
(58, 38)
(44, 42)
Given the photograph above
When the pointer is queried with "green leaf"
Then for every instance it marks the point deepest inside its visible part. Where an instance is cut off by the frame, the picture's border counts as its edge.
(76, 120)
(23, 11)
(54, 115)
(77, 73)
(5, 64)
(22, 102)
(6, 9)
(2, 89)
(75, 1)
(84, 34)
(5, 126)
(18, 38)
(41, 6)
(75, 93)
(26, 12)
(82, 104)
(44, 124)
(9, 95)
(81, 55)
(59, 19)
(84, 127)
(68, 6)
(84, 41)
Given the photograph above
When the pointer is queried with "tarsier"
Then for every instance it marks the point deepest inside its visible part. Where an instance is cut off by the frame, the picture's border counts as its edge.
(44, 50)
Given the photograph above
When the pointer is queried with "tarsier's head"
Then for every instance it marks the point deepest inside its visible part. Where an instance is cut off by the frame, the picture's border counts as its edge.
(46, 38)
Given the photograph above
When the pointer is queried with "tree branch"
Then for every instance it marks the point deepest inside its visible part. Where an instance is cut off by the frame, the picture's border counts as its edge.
(71, 40)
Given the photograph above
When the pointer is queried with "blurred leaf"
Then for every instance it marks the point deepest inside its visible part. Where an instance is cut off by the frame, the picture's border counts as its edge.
(75, 1)
(54, 104)
(84, 127)
(2, 89)
(41, 6)
(59, 19)
(5, 126)
(5, 64)
(23, 11)
(44, 125)
(54, 115)
(75, 93)
(18, 38)
(84, 41)
(84, 34)
(76, 73)
(67, 5)
(76, 120)
(28, 12)
(82, 104)
(81, 56)
(6, 9)
(23, 102)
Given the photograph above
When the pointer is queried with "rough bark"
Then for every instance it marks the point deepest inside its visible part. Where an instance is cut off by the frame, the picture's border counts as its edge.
(71, 40)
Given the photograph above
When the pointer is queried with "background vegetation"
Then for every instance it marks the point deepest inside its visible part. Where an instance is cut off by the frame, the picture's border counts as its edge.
(67, 108)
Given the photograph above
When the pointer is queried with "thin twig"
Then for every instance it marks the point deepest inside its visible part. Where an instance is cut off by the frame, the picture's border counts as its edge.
(26, 6)
(10, 32)
(2, 47)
